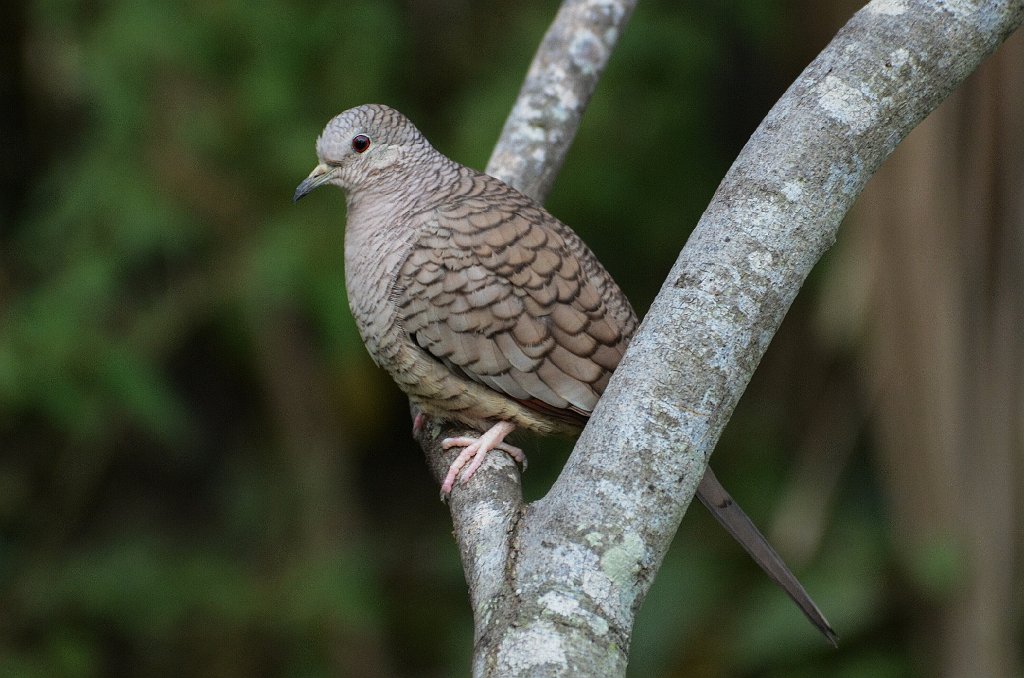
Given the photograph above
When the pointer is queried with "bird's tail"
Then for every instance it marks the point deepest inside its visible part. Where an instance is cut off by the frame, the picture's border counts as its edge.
(731, 516)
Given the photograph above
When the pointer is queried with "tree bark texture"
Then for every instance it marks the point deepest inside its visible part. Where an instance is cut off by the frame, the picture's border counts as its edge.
(555, 585)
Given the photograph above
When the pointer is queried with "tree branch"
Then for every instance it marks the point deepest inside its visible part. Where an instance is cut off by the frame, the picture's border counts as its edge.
(558, 87)
(583, 558)
(530, 151)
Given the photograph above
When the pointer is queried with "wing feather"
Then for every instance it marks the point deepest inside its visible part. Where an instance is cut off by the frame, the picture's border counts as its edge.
(504, 293)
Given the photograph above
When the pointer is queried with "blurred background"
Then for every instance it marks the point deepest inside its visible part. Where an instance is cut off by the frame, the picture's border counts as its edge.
(203, 474)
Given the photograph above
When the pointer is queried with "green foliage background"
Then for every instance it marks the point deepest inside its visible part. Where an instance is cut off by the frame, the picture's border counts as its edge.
(202, 473)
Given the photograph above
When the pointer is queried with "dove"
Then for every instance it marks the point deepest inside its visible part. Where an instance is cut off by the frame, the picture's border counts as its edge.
(482, 307)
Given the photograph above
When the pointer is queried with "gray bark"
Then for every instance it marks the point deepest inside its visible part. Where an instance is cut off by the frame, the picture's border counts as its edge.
(555, 585)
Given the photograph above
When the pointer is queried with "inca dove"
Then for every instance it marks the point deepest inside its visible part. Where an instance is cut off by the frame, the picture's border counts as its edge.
(484, 308)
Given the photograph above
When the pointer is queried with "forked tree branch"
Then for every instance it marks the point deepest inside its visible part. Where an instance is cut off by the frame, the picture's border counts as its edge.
(555, 585)
(532, 147)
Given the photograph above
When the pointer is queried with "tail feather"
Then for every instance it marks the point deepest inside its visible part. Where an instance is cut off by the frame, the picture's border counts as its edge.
(731, 516)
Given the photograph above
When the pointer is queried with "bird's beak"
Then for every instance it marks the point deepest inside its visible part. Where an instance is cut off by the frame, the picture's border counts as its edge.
(320, 175)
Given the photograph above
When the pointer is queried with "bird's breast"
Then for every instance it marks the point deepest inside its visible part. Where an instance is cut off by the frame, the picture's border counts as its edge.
(374, 251)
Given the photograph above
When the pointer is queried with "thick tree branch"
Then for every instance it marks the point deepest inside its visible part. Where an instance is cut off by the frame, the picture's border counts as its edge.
(581, 560)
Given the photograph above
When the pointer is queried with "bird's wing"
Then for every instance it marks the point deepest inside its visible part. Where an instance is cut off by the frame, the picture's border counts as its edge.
(505, 294)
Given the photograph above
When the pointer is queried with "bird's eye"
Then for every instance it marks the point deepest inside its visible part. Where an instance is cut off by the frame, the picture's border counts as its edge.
(360, 143)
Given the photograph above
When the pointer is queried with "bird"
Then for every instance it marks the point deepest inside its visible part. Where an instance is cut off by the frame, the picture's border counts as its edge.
(483, 307)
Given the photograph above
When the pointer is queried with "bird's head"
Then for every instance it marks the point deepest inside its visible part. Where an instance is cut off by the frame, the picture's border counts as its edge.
(365, 142)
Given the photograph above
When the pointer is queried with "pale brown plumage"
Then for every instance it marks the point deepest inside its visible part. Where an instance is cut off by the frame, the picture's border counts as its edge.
(483, 307)
(508, 297)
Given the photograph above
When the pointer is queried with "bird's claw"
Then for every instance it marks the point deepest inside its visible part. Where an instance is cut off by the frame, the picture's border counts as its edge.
(475, 451)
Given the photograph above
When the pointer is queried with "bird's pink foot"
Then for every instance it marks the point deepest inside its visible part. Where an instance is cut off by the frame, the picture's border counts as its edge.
(418, 422)
(476, 450)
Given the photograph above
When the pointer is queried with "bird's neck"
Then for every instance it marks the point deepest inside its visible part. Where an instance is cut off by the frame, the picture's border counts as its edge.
(406, 189)
(384, 215)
